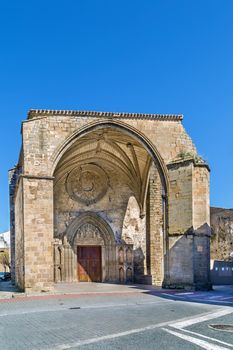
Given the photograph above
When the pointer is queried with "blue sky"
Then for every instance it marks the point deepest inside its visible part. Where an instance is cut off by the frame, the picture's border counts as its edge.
(149, 56)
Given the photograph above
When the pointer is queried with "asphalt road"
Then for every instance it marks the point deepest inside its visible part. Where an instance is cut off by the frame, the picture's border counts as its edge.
(112, 321)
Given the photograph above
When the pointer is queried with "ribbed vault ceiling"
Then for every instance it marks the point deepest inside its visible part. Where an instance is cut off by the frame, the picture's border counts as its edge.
(110, 148)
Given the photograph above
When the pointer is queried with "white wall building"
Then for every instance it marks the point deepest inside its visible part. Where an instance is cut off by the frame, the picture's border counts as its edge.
(5, 240)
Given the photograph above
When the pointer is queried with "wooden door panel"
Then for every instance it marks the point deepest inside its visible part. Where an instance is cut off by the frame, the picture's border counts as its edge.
(89, 263)
(82, 271)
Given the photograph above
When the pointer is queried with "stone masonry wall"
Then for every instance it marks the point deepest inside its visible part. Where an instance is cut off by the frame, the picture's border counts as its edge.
(201, 225)
(38, 233)
(201, 197)
(44, 136)
(180, 222)
(189, 223)
(180, 198)
(155, 227)
(12, 184)
(19, 236)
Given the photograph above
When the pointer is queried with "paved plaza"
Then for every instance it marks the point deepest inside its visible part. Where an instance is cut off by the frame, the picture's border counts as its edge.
(105, 316)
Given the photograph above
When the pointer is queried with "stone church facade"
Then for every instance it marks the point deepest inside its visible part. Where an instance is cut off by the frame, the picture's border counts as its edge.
(108, 197)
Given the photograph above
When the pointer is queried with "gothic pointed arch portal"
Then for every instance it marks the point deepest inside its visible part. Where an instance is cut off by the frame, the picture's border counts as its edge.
(97, 171)
(86, 235)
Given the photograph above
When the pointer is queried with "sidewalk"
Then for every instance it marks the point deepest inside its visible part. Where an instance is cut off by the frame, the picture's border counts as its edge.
(7, 290)
(222, 295)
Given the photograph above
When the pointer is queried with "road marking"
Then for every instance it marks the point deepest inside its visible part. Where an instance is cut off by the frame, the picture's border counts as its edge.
(225, 298)
(143, 329)
(205, 336)
(214, 297)
(201, 298)
(202, 343)
(109, 337)
(199, 319)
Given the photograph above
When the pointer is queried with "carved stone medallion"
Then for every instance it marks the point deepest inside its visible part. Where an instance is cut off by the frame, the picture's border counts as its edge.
(87, 183)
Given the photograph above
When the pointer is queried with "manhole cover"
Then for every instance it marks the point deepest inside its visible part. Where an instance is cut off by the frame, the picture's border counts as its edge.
(222, 327)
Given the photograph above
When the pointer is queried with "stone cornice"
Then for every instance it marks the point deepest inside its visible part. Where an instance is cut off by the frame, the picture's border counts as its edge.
(190, 233)
(37, 177)
(38, 113)
(185, 162)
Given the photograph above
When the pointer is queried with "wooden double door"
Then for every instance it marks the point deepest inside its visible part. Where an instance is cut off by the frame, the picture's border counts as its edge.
(89, 263)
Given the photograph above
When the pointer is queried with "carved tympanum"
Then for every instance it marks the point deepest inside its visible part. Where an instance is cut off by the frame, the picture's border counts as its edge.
(87, 183)
(89, 234)
(88, 231)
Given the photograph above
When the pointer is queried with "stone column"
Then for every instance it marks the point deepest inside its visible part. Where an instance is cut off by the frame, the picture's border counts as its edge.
(111, 261)
(56, 260)
(180, 225)
(65, 261)
(201, 225)
(19, 251)
(38, 232)
(75, 265)
(13, 178)
(104, 260)
(189, 230)
(155, 226)
(70, 264)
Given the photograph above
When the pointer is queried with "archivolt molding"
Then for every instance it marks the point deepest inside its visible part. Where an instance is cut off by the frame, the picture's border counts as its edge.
(95, 224)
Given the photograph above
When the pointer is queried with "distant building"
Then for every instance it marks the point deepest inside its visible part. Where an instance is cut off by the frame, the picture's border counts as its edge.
(221, 222)
(4, 249)
(5, 240)
(221, 247)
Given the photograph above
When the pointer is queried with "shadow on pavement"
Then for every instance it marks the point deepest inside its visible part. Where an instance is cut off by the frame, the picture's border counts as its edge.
(220, 295)
(7, 286)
